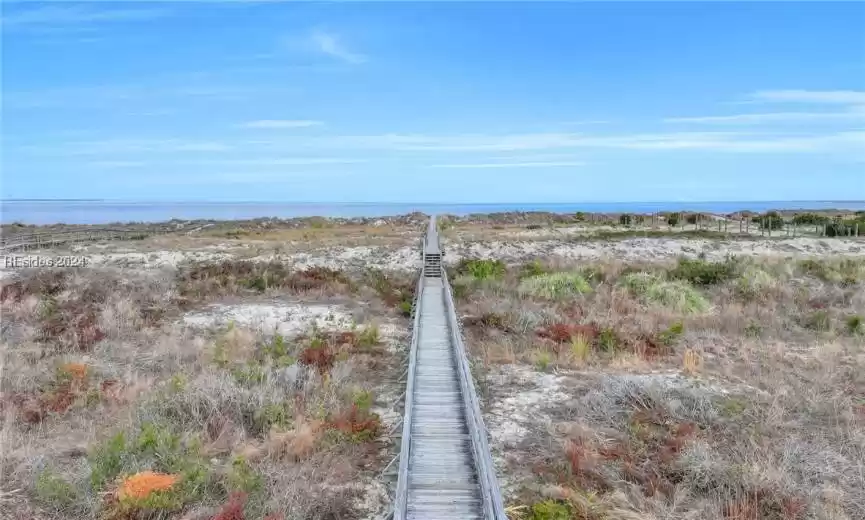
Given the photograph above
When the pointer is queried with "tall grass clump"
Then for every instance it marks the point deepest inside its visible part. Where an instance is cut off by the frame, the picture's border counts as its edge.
(755, 282)
(481, 269)
(702, 272)
(677, 295)
(555, 285)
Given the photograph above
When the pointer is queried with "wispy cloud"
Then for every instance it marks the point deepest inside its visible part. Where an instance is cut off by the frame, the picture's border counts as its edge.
(852, 108)
(772, 117)
(57, 15)
(843, 97)
(281, 123)
(113, 95)
(280, 161)
(283, 150)
(132, 146)
(587, 122)
(540, 164)
(332, 45)
(117, 164)
(733, 142)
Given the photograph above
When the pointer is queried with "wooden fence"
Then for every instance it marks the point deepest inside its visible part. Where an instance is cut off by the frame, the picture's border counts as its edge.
(30, 241)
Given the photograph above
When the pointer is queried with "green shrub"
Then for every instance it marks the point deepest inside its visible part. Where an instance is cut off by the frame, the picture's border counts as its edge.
(769, 220)
(54, 490)
(272, 414)
(677, 295)
(673, 219)
(842, 228)
(817, 269)
(608, 340)
(533, 268)
(670, 335)
(855, 324)
(155, 447)
(847, 272)
(277, 347)
(579, 216)
(753, 329)
(106, 461)
(551, 510)
(370, 335)
(543, 360)
(248, 375)
(555, 285)
(481, 269)
(362, 399)
(626, 219)
(242, 477)
(701, 272)
(813, 219)
(818, 321)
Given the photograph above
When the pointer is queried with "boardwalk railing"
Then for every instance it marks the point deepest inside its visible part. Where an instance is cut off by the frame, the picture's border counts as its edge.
(45, 240)
(493, 504)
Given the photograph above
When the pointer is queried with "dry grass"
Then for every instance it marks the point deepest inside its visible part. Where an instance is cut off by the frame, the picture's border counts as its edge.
(748, 404)
(113, 410)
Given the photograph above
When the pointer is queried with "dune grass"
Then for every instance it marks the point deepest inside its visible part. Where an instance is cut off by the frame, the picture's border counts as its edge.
(555, 285)
(677, 295)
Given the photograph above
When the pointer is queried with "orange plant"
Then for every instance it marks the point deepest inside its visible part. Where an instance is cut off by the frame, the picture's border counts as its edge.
(75, 370)
(319, 357)
(141, 485)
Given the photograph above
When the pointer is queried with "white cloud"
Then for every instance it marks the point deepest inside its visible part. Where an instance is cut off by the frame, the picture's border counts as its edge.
(281, 123)
(117, 164)
(734, 142)
(587, 122)
(280, 161)
(282, 150)
(842, 97)
(540, 164)
(773, 117)
(56, 15)
(121, 95)
(330, 44)
(131, 146)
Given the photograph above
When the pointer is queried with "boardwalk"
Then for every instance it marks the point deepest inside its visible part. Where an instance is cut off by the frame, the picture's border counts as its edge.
(445, 466)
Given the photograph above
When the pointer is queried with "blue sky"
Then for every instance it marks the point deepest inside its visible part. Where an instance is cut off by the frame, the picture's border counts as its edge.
(434, 102)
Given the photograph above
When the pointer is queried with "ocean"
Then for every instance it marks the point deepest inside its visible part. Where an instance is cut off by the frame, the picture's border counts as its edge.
(105, 212)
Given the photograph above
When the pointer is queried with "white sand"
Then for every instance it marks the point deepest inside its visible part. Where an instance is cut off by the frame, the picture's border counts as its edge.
(284, 318)
(655, 248)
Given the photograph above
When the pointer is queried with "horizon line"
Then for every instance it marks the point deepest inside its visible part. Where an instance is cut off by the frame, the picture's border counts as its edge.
(398, 203)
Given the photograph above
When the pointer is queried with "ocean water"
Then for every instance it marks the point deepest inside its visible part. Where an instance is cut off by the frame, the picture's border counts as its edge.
(105, 212)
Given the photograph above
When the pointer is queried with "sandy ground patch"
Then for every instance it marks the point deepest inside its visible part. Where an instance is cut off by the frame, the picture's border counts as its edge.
(654, 249)
(519, 405)
(395, 259)
(523, 404)
(284, 318)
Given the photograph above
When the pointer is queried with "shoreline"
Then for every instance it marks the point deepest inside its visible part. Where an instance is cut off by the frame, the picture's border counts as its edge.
(113, 213)
(411, 218)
